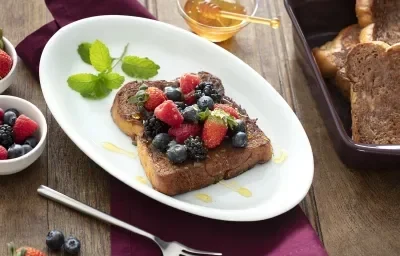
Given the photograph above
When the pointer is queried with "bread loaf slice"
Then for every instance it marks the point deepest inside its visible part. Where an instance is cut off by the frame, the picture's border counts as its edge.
(331, 56)
(373, 71)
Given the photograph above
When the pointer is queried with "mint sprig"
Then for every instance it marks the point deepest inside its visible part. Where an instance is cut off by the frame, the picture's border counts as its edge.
(98, 86)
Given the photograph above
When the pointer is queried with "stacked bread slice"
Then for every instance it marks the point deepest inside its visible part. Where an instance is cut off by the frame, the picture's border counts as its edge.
(363, 59)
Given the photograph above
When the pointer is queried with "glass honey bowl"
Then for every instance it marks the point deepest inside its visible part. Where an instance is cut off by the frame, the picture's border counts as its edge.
(220, 29)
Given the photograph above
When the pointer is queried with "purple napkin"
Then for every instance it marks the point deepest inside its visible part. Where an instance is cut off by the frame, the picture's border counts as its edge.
(290, 234)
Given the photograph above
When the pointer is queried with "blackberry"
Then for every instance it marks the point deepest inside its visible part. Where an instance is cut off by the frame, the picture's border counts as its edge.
(6, 135)
(154, 126)
(207, 89)
(181, 105)
(195, 148)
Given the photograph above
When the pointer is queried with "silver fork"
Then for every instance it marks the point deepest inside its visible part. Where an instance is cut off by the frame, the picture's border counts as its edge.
(168, 248)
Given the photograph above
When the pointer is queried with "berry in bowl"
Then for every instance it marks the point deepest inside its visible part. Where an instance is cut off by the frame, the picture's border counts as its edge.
(8, 62)
(23, 130)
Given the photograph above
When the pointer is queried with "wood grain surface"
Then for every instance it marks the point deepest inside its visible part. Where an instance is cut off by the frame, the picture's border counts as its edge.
(354, 212)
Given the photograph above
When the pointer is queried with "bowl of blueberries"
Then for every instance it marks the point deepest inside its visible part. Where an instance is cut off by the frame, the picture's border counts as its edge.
(23, 131)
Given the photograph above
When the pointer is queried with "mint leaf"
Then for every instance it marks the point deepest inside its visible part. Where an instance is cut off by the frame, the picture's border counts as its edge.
(82, 83)
(100, 56)
(83, 50)
(140, 98)
(112, 80)
(100, 91)
(139, 67)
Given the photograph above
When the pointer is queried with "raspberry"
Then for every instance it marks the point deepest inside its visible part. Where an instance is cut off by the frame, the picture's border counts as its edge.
(169, 113)
(1, 115)
(184, 131)
(228, 109)
(3, 153)
(188, 82)
(24, 127)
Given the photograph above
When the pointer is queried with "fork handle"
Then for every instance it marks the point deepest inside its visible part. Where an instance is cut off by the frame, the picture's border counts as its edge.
(74, 204)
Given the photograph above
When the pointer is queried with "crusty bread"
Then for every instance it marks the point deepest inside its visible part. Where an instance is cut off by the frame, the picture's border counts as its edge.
(372, 69)
(223, 162)
(331, 56)
(380, 20)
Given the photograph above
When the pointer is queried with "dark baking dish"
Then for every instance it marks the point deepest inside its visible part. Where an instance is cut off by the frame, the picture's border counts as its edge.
(315, 22)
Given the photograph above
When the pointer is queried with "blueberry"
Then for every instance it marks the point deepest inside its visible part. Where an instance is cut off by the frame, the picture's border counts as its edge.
(173, 93)
(16, 112)
(55, 240)
(177, 153)
(27, 148)
(31, 141)
(15, 151)
(161, 141)
(239, 140)
(240, 126)
(172, 143)
(190, 114)
(9, 118)
(72, 245)
(205, 102)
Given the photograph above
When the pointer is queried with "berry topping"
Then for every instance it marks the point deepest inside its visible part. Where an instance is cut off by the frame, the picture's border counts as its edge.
(149, 97)
(55, 240)
(177, 153)
(10, 117)
(173, 93)
(239, 140)
(240, 126)
(184, 131)
(16, 112)
(15, 151)
(172, 143)
(5, 64)
(1, 114)
(24, 251)
(190, 98)
(205, 102)
(72, 245)
(154, 126)
(3, 153)
(161, 141)
(228, 109)
(31, 141)
(207, 89)
(190, 114)
(195, 148)
(181, 105)
(6, 135)
(24, 127)
(169, 113)
(188, 82)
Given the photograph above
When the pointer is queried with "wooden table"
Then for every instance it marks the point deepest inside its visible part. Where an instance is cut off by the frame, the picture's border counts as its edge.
(354, 212)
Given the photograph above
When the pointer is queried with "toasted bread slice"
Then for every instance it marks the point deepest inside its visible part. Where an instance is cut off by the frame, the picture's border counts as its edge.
(372, 69)
(223, 162)
(380, 20)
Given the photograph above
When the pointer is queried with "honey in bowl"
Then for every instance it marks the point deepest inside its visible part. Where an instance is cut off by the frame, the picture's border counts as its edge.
(215, 29)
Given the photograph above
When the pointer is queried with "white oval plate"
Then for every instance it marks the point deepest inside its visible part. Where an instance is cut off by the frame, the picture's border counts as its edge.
(275, 188)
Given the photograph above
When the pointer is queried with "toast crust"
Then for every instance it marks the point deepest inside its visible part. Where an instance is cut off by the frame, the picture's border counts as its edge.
(223, 162)
(373, 71)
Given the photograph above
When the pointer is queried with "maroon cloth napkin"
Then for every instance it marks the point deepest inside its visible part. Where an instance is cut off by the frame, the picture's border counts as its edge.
(287, 235)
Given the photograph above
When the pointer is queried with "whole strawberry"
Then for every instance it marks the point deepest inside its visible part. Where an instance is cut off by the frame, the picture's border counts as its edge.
(24, 251)
(215, 128)
(5, 64)
(169, 113)
(149, 97)
(228, 109)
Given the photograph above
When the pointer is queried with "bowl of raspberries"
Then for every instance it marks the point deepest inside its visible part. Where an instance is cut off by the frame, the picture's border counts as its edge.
(8, 62)
(23, 131)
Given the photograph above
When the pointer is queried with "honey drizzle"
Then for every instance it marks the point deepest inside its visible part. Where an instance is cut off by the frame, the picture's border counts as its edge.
(204, 197)
(235, 187)
(281, 157)
(113, 148)
(142, 179)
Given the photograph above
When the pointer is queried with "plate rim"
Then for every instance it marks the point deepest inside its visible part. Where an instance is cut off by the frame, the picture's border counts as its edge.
(233, 215)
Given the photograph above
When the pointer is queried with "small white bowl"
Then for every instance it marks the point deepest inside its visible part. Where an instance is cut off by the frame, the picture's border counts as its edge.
(15, 165)
(9, 79)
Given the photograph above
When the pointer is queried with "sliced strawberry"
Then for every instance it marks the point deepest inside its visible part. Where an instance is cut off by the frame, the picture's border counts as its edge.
(188, 82)
(155, 98)
(169, 113)
(5, 64)
(184, 131)
(3, 153)
(228, 109)
(24, 127)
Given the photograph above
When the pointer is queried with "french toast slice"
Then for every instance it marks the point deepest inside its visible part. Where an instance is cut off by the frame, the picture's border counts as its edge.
(331, 56)
(223, 162)
(372, 69)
